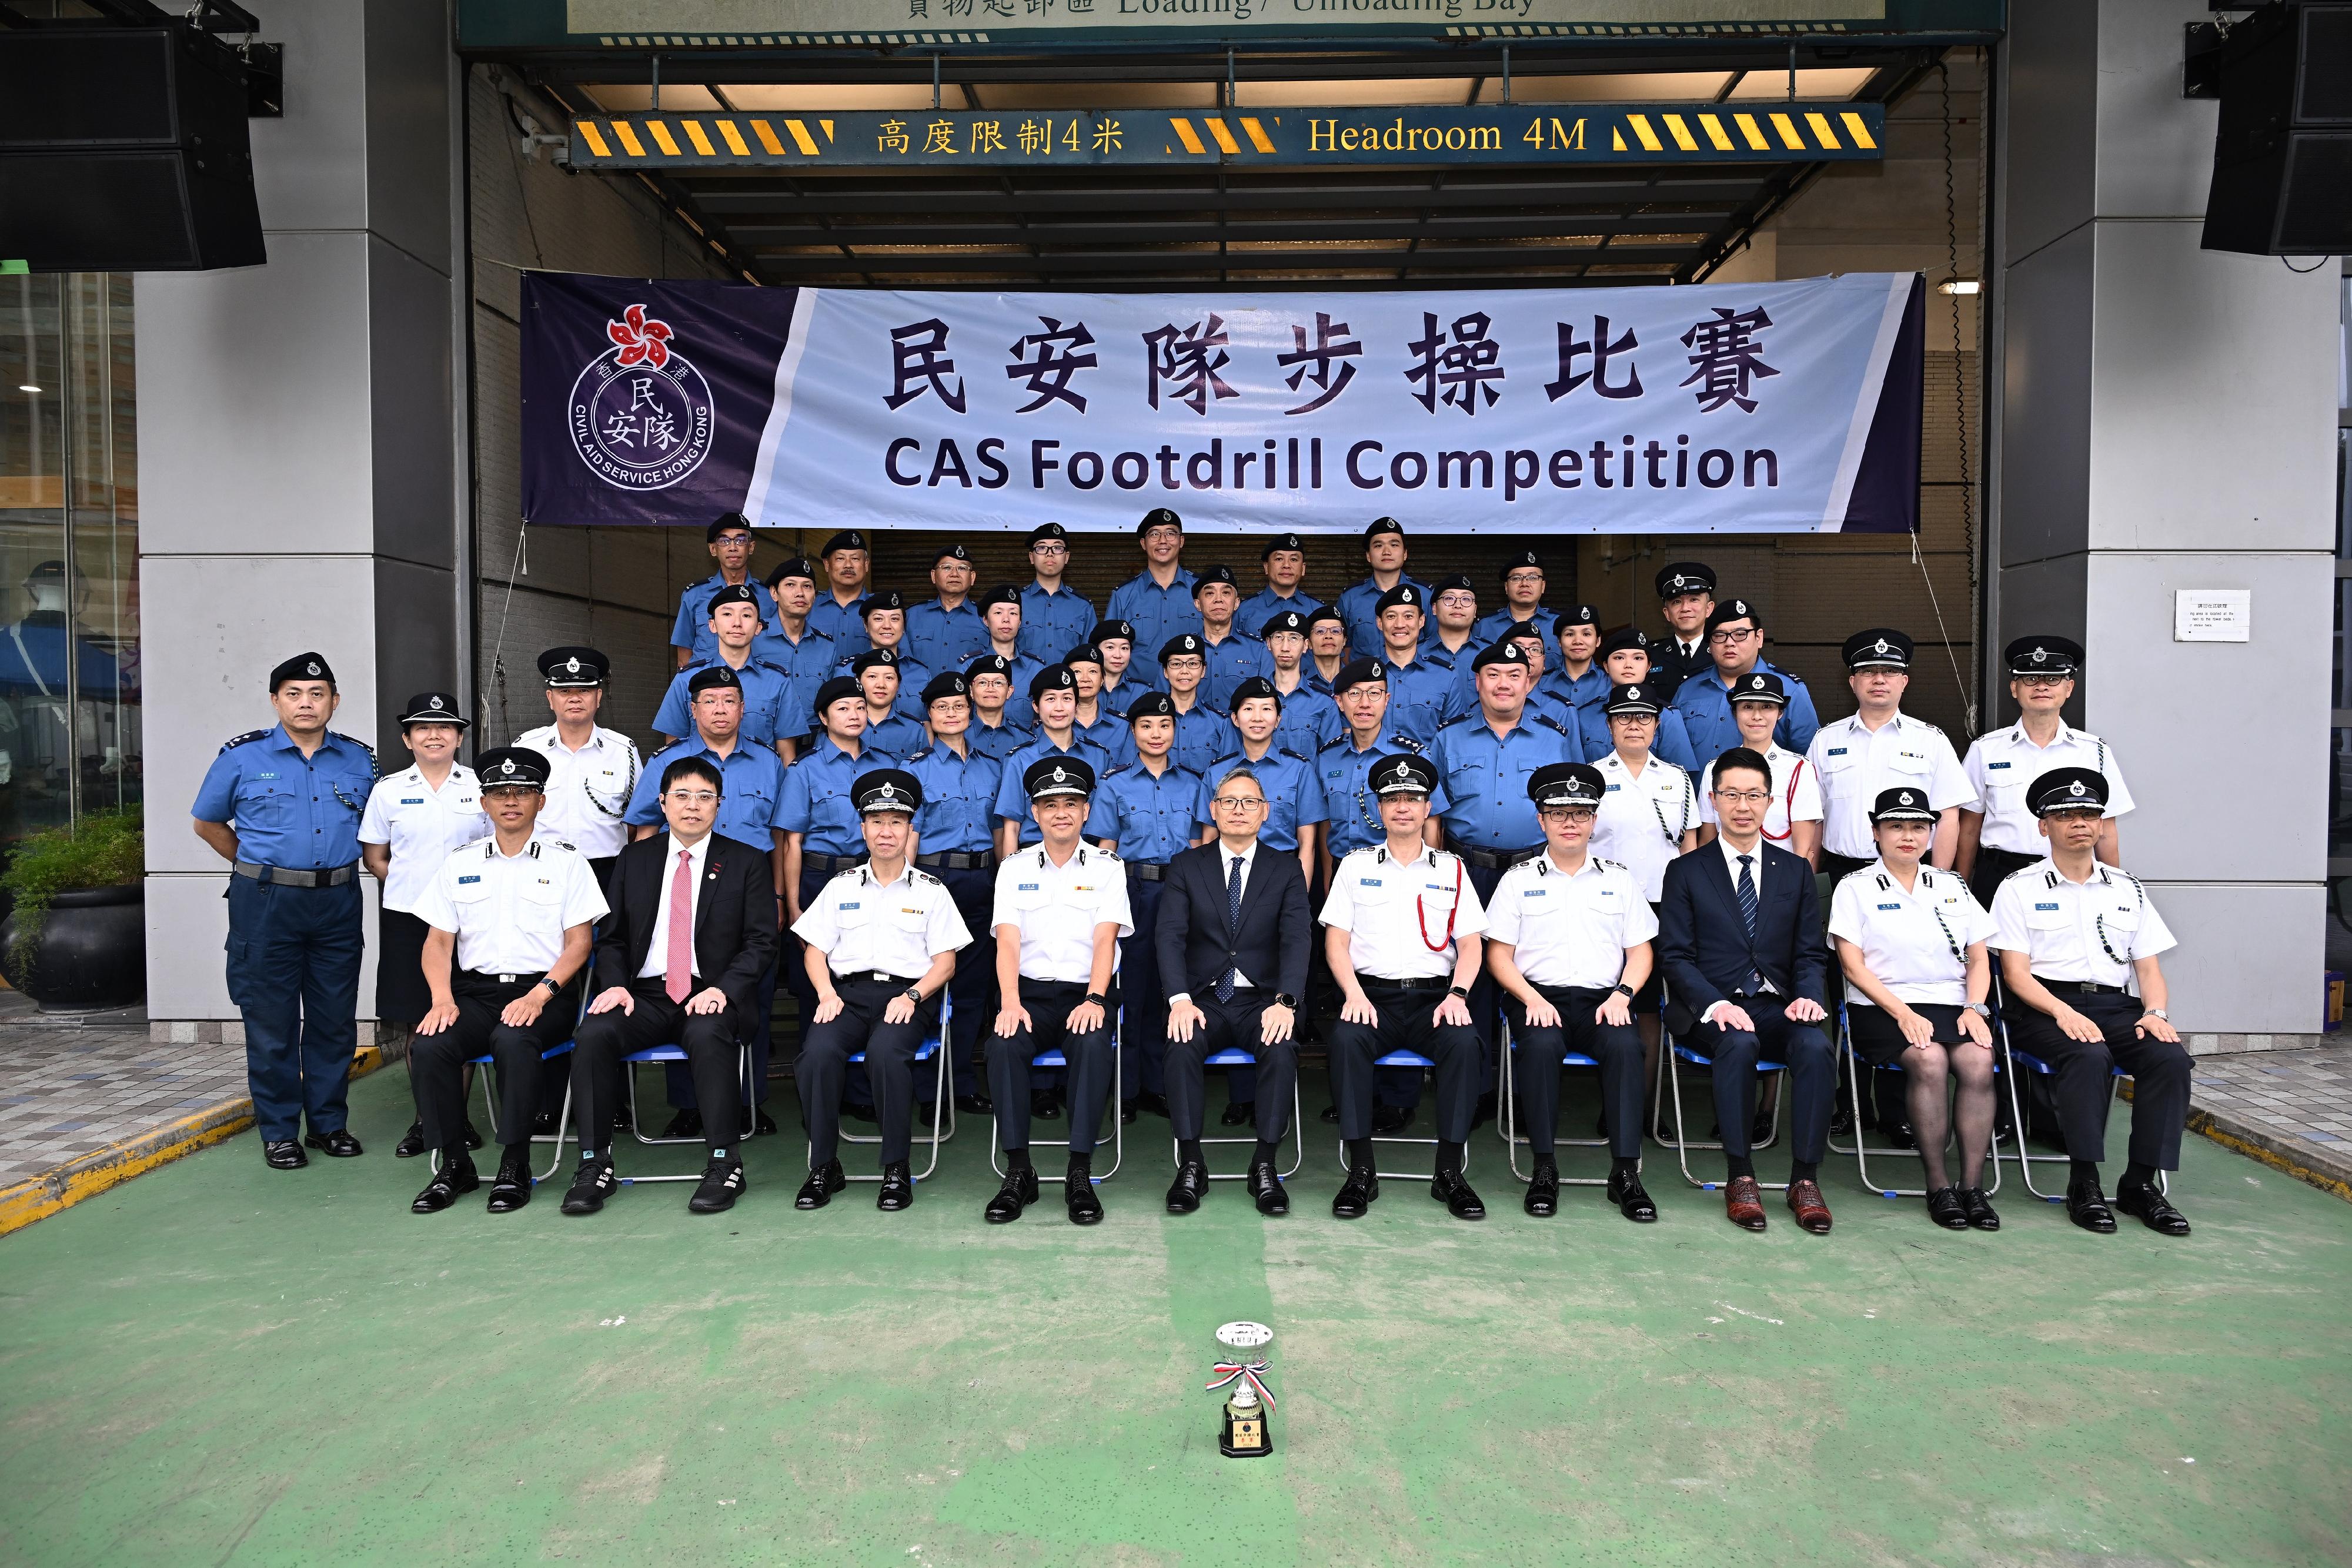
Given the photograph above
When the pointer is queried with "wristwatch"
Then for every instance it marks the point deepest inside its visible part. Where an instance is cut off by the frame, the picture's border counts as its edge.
(913, 994)
(1461, 991)
(1285, 999)
(2156, 1013)
(1624, 990)
(1982, 1010)
(555, 987)
(1096, 999)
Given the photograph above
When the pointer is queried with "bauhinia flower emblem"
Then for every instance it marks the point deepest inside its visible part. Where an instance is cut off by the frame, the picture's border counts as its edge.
(641, 341)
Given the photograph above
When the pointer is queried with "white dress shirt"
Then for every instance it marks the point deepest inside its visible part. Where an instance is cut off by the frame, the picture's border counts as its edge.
(1914, 942)
(657, 962)
(587, 789)
(1642, 819)
(422, 826)
(1056, 908)
(1402, 916)
(1796, 796)
(1756, 874)
(866, 925)
(2087, 931)
(2001, 767)
(1570, 929)
(510, 911)
(1856, 762)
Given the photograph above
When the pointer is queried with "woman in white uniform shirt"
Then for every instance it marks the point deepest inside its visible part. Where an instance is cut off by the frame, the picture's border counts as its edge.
(1912, 943)
(1793, 820)
(413, 820)
(1649, 814)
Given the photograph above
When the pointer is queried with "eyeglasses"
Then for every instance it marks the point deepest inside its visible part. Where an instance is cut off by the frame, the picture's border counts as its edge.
(1744, 797)
(1731, 634)
(1566, 813)
(509, 791)
(1238, 802)
(693, 796)
(1523, 580)
(1049, 549)
(1162, 535)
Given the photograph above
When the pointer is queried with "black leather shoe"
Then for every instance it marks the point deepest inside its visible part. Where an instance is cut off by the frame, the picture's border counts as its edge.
(542, 1126)
(2086, 1206)
(338, 1144)
(1484, 1111)
(1759, 1130)
(1388, 1119)
(1045, 1105)
(1238, 1114)
(1265, 1187)
(1191, 1184)
(286, 1155)
(1543, 1193)
(762, 1125)
(1078, 1193)
(822, 1183)
(2147, 1202)
(974, 1105)
(1625, 1191)
(857, 1112)
(685, 1125)
(1358, 1195)
(455, 1180)
(1980, 1211)
(412, 1143)
(1945, 1208)
(1453, 1189)
(472, 1138)
(510, 1188)
(1841, 1123)
(898, 1190)
(1127, 1113)
(592, 1184)
(1155, 1104)
(1019, 1191)
(722, 1184)
(1901, 1136)
(1331, 1112)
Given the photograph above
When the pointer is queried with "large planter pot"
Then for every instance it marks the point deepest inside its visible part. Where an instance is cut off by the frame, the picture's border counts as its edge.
(92, 951)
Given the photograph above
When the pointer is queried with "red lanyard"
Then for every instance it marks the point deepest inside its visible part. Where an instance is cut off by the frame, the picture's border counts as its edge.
(1789, 812)
(1421, 914)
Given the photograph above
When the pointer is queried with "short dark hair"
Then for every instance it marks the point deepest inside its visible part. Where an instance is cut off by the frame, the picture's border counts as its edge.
(692, 768)
(1740, 757)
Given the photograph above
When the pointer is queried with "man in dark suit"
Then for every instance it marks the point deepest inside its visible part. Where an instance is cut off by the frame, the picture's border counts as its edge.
(1232, 941)
(1740, 942)
(693, 928)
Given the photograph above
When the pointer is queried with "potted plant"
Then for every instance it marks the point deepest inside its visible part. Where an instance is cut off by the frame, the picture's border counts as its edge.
(76, 938)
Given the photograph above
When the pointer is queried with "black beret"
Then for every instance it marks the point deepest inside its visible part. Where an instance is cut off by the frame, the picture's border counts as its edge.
(1109, 630)
(1057, 775)
(1213, 574)
(2067, 789)
(1049, 531)
(797, 567)
(951, 552)
(1323, 612)
(1567, 784)
(889, 599)
(1401, 773)
(1626, 637)
(848, 539)
(1380, 525)
(1502, 651)
(1282, 621)
(1576, 615)
(1878, 646)
(1159, 516)
(1404, 595)
(1902, 804)
(949, 684)
(838, 689)
(988, 665)
(735, 593)
(434, 707)
(301, 667)
(1633, 698)
(1002, 593)
(874, 659)
(717, 673)
(1522, 561)
(1453, 581)
(1358, 672)
(886, 789)
(1182, 644)
(574, 667)
(2043, 657)
(1282, 542)
(1760, 687)
(1051, 678)
(1083, 654)
(1732, 609)
(720, 524)
(1256, 686)
(1681, 577)
(1151, 704)
(502, 765)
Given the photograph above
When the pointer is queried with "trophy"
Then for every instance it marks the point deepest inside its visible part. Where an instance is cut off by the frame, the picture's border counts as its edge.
(1241, 1365)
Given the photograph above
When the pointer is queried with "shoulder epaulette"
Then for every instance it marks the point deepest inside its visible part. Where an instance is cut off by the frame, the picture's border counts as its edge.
(234, 741)
(772, 665)
(1292, 755)
(355, 741)
(1612, 866)
(918, 874)
(1862, 870)
(560, 843)
(849, 871)
(2021, 871)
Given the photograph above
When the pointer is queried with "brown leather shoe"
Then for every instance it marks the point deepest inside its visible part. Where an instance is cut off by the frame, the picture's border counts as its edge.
(1805, 1202)
(1743, 1203)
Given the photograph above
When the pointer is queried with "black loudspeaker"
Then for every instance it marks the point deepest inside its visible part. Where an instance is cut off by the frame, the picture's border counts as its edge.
(124, 150)
(2282, 158)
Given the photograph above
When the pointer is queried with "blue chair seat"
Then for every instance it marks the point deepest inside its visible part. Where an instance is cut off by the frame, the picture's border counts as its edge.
(550, 1054)
(1688, 1054)
(1403, 1058)
(1049, 1059)
(923, 1052)
(1230, 1057)
(2036, 1065)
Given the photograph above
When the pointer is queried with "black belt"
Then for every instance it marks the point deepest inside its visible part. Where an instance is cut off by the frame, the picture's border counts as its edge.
(1487, 860)
(1148, 871)
(876, 978)
(2081, 988)
(830, 863)
(283, 877)
(957, 860)
(487, 979)
(1435, 983)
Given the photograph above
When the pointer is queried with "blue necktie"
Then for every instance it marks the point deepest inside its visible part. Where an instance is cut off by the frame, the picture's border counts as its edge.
(1747, 915)
(1232, 924)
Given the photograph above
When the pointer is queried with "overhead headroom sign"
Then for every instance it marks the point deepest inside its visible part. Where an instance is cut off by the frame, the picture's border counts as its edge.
(1733, 408)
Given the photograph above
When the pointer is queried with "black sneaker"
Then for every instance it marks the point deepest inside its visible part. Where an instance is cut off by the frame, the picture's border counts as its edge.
(592, 1184)
(722, 1184)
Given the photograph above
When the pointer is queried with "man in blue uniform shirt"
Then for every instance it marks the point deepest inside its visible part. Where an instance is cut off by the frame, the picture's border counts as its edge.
(945, 633)
(754, 788)
(848, 565)
(1326, 647)
(1284, 562)
(1054, 695)
(1359, 605)
(1158, 600)
(282, 806)
(1202, 729)
(791, 645)
(1450, 637)
(955, 840)
(1735, 640)
(1417, 688)
(731, 544)
(1310, 719)
(735, 623)
(993, 732)
(1143, 813)
(1523, 592)
(1625, 661)
(1054, 619)
(1232, 657)
(1462, 695)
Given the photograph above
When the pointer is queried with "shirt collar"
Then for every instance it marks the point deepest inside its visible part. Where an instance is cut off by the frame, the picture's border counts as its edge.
(698, 854)
(2065, 732)
(1248, 857)
(1731, 858)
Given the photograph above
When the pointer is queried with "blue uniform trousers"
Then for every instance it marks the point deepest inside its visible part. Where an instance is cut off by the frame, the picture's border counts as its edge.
(294, 974)
(1143, 1038)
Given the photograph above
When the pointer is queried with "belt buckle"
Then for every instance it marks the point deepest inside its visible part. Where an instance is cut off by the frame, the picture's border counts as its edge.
(879, 976)
(507, 979)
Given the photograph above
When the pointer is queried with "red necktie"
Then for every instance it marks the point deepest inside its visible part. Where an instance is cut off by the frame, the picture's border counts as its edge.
(677, 979)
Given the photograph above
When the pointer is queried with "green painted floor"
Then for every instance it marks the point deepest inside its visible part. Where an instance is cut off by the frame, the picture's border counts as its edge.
(220, 1363)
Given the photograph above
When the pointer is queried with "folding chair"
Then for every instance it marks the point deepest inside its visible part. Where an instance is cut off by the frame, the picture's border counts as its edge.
(489, 1065)
(1861, 1151)
(1404, 1059)
(933, 1050)
(1117, 1123)
(2026, 1160)
(1676, 1053)
(1508, 1122)
(1234, 1056)
(669, 1053)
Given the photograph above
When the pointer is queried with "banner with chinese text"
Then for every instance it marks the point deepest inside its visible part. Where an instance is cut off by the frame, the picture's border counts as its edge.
(1731, 408)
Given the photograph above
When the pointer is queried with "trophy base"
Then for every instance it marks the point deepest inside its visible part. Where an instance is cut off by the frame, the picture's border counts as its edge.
(1245, 1440)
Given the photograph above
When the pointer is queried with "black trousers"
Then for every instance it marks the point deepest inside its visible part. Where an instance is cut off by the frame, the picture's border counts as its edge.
(1092, 1055)
(1145, 1040)
(974, 985)
(1994, 867)
(1535, 1074)
(1230, 1025)
(1813, 1077)
(438, 1070)
(1407, 1023)
(2085, 1073)
(402, 997)
(711, 1058)
(823, 1066)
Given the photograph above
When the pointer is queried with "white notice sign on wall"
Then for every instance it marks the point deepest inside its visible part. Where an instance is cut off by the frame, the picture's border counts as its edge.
(2212, 615)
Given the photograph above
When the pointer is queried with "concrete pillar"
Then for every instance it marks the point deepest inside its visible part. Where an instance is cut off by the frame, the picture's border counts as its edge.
(2166, 421)
(300, 451)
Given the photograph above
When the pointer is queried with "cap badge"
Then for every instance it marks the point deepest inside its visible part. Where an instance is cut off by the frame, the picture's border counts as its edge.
(2040, 655)
(1060, 777)
(1880, 646)
(572, 665)
(889, 792)
(1757, 682)
(507, 766)
(1906, 800)
(2076, 790)
(312, 667)
(435, 704)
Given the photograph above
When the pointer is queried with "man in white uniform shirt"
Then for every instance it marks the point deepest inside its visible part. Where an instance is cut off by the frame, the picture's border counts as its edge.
(1881, 747)
(1999, 835)
(509, 921)
(882, 942)
(1793, 820)
(1568, 936)
(2075, 938)
(592, 770)
(1401, 930)
(1061, 909)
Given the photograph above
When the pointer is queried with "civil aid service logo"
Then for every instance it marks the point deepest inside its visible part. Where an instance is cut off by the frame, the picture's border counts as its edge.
(640, 414)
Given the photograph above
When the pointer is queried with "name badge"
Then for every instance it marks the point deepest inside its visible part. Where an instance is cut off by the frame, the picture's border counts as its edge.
(1835, 751)
(464, 880)
(1029, 887)
(1890, 906)
(418, 800)
(1612, 789)
(852, 903)
(1990, 767)
(1534, 893)
(2048, 906)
